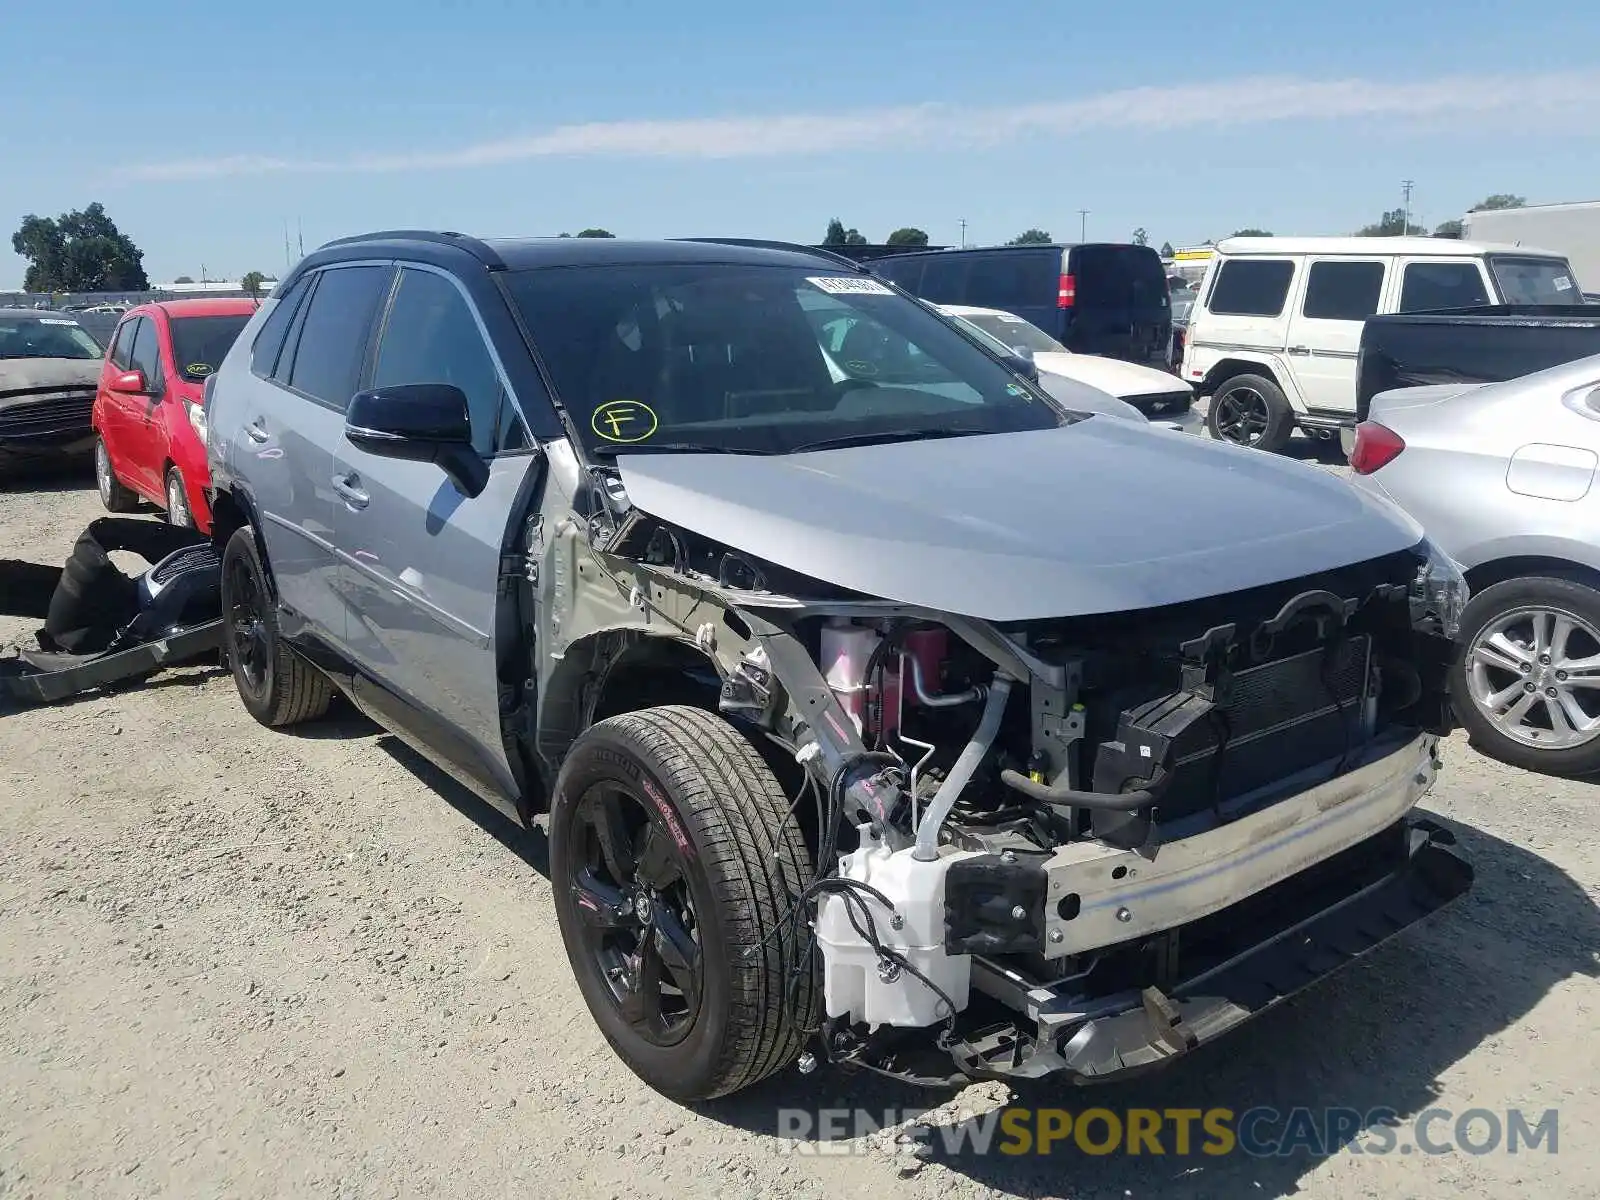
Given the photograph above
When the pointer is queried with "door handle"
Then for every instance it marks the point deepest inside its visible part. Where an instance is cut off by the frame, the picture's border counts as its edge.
(254, 432)
(352, 495)
(1300, 350)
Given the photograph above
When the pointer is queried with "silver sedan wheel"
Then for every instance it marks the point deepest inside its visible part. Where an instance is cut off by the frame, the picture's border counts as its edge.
(177, 502)
(102, 472)
(1535, 673)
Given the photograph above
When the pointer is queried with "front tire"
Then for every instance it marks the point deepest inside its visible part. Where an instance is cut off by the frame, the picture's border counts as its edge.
(113, 494)
(1526, 684)
(277, 686)
(676, 867)
(1251, 410)
(178, 501)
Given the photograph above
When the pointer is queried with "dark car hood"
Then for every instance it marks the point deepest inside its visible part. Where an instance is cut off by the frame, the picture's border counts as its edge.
(1099, 516)
(40, 374)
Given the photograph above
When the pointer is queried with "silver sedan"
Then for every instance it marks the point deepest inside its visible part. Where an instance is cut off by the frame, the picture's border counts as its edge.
(1503, 478)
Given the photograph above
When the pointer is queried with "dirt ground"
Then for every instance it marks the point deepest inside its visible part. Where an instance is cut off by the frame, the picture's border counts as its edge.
(243, 963)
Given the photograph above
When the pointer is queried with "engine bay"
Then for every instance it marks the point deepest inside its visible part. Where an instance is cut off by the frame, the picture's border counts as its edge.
(1017, 822)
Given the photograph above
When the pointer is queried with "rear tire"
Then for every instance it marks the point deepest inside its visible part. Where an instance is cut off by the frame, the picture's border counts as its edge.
(707, 833)
(113, 495)
(1250, 410)
(277, 686)
(1504, 706)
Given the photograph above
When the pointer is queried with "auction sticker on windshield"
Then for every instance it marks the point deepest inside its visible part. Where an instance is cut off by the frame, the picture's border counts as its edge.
(624, 421)
(846, 285)
(56, 321)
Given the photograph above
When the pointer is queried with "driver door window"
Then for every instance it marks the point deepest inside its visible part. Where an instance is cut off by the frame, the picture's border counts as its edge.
(146, 356)
(432, 337)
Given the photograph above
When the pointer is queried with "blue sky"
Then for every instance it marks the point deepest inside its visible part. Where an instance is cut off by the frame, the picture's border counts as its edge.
(203, 127)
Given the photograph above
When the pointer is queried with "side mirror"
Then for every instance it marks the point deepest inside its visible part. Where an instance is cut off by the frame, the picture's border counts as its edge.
(419, 422)
(128, 383)
(1022, 352)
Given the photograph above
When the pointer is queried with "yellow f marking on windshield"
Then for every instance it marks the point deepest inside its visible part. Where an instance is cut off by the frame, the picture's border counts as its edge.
(624, 421)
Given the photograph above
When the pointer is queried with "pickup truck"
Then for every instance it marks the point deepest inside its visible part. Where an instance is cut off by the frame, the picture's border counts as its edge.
(1488, 344)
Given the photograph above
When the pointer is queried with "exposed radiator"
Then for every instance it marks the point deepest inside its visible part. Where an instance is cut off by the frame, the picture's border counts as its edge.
(1272, 721)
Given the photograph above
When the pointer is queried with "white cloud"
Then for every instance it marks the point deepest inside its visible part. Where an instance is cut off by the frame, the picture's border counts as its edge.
(1516, 101)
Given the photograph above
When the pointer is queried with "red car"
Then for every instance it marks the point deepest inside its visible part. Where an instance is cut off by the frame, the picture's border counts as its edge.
(148, 421)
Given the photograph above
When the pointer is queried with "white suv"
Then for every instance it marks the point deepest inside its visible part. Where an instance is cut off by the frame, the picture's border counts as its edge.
(1274, 336)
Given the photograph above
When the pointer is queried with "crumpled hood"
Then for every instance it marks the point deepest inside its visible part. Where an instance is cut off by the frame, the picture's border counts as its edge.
(1099, 516)
(1111, 374)
(32, 374)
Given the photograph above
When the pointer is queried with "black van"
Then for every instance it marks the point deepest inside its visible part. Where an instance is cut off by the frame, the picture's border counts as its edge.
(1103, 298)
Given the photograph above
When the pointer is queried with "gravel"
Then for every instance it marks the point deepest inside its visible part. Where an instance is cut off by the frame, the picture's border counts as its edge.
(244, 963)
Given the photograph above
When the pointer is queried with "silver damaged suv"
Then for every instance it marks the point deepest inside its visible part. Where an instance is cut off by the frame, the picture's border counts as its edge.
(886, 712)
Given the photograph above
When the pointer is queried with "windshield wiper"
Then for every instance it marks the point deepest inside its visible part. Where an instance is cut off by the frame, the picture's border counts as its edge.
(880, 439)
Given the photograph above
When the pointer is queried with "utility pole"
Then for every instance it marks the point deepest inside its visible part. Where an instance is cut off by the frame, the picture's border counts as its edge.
(302, 228)
(1405, 187)
(963, 233)
(1083, 224)
(287, 262)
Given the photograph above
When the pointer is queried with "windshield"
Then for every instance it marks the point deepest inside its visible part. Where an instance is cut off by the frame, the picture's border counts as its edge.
(1014, 332)
(759, 359)
(199, 344)
(1535, 280)
(45, 337)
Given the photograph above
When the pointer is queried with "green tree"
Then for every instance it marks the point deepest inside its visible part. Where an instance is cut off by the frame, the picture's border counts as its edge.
(1448, 229)
(1500, 200)
(1031, 237)
(907, 236)
(251, 283)
(1140, 237)
(1392, 224)
(592, 233)
(838, 235)
(1252, 233)
(79, 252)
(184, 279)
(1166, 250)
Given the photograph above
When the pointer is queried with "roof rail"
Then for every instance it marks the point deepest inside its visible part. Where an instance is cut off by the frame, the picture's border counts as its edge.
(473, 246)
(793, 247)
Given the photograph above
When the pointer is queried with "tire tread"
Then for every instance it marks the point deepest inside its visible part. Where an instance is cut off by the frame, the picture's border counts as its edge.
(757, 862)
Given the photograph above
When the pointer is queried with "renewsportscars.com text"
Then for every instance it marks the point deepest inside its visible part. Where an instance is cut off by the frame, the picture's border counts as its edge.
(1181, 1132)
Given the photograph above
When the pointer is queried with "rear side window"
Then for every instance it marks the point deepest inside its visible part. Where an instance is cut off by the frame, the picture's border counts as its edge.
(122, 344)
(1014, 280)
(944, 279)
(1251, 287)
(1343, 291)
(905, 272)
(264, 354)
(333, 341)
(1429, 285)
(1127, 278)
